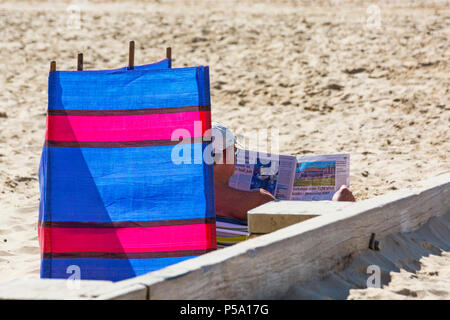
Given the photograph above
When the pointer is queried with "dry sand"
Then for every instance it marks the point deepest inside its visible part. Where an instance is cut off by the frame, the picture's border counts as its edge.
(331, 76)
(432, 281)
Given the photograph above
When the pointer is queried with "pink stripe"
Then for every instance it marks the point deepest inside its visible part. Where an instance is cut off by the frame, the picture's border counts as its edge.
(152, 239)
(126, 128)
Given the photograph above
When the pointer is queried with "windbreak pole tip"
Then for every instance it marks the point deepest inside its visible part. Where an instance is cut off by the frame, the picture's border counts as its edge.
(80, 62)
(131, 56)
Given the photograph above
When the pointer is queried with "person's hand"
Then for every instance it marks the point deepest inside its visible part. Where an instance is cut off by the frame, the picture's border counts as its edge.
(266, 195)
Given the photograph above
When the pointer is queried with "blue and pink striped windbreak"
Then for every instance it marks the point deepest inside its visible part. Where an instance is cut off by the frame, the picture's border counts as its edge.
(113, 203)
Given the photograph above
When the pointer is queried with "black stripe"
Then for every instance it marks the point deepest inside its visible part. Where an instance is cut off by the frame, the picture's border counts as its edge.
(125, 224)
(124, 144)
(124, 255)
(127, 112)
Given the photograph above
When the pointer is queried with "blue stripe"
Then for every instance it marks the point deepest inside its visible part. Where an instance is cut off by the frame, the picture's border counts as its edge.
(104, 269)
(203, 86)
(124, 184)
(121, 89)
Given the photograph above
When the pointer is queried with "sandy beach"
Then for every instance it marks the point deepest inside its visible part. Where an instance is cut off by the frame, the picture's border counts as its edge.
(330, 76)
(430, 282)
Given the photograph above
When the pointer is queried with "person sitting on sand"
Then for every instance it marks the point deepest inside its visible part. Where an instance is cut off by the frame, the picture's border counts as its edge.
(233, 203)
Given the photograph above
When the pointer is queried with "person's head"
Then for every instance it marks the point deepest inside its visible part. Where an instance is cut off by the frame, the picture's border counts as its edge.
(224, 150)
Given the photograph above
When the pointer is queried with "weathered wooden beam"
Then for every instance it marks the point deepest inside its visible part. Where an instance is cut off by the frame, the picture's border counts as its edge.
(53, 289)
(129, 292)
(276, 215)
(60, 289)
(266, 267)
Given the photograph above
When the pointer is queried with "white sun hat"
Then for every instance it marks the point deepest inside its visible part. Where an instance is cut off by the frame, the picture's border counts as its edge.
(223, 138)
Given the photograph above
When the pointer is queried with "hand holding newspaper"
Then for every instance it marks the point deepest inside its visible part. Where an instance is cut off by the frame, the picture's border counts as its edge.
(306, 178)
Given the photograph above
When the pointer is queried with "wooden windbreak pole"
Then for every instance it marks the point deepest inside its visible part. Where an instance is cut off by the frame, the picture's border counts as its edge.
(80, 62)
(53, 65)
(169, 53)
(131, 56)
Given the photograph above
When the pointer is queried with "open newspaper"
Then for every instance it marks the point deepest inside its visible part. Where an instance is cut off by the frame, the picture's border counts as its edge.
(305, 178)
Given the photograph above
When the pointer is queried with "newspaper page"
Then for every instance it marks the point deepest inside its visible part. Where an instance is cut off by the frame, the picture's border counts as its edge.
(274, 173)
(319, 177)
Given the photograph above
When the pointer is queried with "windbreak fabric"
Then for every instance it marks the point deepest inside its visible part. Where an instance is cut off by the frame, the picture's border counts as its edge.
(114, 203)
(163, 64)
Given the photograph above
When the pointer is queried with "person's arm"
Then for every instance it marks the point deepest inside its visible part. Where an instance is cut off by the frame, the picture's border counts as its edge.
(235, 203)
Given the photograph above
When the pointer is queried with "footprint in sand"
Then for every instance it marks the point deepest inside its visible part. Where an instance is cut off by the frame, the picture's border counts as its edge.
(28, 250)
(5, 254)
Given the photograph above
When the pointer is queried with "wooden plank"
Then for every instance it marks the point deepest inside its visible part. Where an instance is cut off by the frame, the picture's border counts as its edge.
(276, 215)
(266, 267)
(131, 55)
(130, 292)
(61, 289)
(52, 289)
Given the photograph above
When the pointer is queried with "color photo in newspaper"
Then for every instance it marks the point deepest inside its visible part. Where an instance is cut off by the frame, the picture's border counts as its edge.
(306, 178)
(319, 177)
